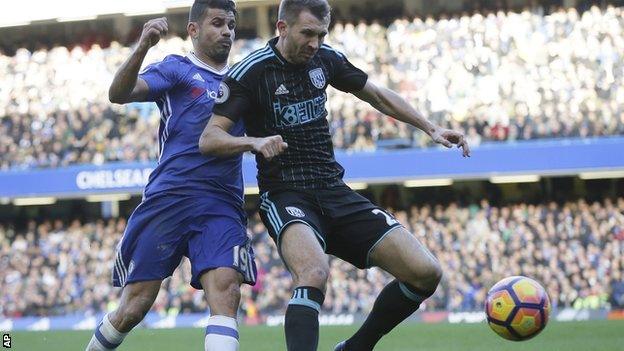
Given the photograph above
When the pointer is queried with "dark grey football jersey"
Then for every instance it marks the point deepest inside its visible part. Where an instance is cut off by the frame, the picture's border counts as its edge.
(275, 97)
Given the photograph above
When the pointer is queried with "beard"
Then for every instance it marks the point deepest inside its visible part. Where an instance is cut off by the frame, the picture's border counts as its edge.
(219, 53)
(297, 54)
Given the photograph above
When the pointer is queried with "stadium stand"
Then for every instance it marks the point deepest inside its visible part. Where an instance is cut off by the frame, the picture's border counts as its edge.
(575, 248)
(482, 73)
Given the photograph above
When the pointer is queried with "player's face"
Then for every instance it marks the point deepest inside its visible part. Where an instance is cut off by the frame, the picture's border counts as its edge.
(215, 34)
(304, 37)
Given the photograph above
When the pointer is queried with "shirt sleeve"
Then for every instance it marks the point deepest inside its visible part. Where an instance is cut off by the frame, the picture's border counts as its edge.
(160, 78)
(236, 100)
(346, 76)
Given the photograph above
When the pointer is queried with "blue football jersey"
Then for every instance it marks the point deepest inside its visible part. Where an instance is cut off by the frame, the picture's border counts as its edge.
(186, 90)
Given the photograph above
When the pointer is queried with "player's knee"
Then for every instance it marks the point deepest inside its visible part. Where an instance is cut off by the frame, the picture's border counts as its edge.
(230, 294)
(426, 277)
(435, 273)
(226, 284)
(234, 290)
(224, 294)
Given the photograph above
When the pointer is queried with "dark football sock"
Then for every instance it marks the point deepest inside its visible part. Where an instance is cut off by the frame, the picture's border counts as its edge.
(301, 324)
(395, 303)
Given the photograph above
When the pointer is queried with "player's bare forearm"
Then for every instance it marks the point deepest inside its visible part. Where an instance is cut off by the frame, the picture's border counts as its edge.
(125, 81)
(392, 104)
(218, 142)
(126, 86)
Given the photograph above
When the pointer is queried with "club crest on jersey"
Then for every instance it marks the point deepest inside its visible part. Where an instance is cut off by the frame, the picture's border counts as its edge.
(318, 78)
(295, 212)
(223, 94)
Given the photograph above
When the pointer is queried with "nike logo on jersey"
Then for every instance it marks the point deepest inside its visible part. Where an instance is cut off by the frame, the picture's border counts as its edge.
(281, 90)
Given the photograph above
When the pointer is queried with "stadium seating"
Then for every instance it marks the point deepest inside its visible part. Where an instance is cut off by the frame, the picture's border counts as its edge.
(575, 249)
(500, 77)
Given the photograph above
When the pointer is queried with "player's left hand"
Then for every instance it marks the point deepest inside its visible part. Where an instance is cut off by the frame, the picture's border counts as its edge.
(449, 138)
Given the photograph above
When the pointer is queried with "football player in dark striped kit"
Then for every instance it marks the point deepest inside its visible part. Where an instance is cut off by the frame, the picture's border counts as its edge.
(279, 92)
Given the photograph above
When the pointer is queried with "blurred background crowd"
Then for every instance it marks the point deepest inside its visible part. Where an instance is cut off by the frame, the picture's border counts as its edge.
(499, 76)
(576, 250)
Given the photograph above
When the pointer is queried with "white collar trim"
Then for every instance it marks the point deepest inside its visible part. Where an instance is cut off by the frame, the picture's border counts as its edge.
(196, 60)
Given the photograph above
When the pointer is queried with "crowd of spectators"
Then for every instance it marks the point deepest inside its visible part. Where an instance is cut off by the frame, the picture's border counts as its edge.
(500, 77)
(575, 249)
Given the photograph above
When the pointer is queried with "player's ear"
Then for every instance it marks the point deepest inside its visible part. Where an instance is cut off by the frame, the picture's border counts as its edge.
(192, 29)
(282, 28)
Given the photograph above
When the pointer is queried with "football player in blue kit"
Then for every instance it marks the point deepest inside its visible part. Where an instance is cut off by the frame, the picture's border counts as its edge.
(193, 204)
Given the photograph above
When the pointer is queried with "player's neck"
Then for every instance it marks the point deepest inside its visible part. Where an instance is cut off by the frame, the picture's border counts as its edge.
(279, 46)
(218, 66)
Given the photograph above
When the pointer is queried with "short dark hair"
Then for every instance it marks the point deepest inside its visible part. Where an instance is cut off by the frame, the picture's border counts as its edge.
(198, 10)
(289, 10)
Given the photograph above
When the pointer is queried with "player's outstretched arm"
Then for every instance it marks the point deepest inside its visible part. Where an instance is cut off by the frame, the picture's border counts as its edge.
(126, 86)
(392, 104)
(216, 140)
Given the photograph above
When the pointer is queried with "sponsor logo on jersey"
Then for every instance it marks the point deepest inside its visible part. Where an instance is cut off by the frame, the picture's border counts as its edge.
(299, 113)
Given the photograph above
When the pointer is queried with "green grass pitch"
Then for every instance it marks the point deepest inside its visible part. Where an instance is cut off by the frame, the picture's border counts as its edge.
(564, 336)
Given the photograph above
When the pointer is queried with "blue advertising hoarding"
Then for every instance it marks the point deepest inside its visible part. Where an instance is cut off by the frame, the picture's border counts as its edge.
(552, 157)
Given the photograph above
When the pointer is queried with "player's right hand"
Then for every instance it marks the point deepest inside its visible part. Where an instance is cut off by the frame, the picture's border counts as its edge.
(153, 30)
(270, 147)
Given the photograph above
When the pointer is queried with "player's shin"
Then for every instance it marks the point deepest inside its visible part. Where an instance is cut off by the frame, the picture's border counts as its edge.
(106, 337)
(221, 334)
(395, 303)
(301, 324)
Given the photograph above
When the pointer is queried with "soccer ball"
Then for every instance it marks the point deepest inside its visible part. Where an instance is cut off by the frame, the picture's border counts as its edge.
(517, 308)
